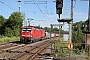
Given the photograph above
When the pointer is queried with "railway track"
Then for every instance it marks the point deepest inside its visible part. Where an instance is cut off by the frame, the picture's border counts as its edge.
(25, 51)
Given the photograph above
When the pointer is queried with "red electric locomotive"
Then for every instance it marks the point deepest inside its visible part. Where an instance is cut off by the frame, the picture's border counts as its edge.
(31, 34)
(43, 34)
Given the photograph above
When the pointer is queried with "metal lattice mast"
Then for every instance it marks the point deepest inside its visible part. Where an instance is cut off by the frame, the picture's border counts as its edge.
(19, 5)
(89, 16)
(70, 24)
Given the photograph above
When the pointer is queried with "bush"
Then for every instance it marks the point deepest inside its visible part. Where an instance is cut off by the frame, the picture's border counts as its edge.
(8, 32)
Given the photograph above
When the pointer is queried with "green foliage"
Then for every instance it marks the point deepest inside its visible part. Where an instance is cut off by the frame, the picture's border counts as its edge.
(4, 39)
(8, 32)
(78, 35)
(37, 27)
(16, 31)
(47, 29)
(62, 50)
(16, 18)
(12, 25)
(55, 29)
(2, 20)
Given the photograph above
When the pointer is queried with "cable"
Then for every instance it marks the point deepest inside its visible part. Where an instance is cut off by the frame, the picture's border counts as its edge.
(46, 9)
(74, 4)
(40, 10)
(7, 5)
(4, 11)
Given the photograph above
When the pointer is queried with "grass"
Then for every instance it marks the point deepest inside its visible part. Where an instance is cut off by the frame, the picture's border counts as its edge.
(8, 39)
(63, 51)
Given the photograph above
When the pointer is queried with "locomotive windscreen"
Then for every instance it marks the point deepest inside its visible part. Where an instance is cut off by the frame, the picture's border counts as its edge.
(26, 29)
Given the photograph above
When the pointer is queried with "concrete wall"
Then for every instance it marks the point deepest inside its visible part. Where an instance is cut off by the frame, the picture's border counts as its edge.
(65, 37)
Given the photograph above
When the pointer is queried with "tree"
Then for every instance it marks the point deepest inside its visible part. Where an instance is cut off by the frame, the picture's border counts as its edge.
(78, 35)
(17, 18)
(2, 21)
(55, 29)
(38, 27)
(13, 24)
(8, 32)
(47, 29)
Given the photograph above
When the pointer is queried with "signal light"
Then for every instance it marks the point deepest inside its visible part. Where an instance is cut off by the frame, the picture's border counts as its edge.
(59, 5)
(59, 11)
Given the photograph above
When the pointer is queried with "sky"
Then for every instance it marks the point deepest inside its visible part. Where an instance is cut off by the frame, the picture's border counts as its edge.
(43, 12)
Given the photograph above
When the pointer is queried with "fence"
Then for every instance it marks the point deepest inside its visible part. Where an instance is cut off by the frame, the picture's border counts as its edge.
(75, 50)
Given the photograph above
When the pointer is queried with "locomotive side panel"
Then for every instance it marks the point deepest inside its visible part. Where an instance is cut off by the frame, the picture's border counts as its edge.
(42, 33)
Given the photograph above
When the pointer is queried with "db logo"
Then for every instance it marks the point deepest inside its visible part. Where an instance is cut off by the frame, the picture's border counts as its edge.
(70, 46)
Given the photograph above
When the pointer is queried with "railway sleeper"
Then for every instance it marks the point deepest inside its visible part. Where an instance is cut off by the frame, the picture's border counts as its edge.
(9, 51)
(29, 52)
(45, 54)
(13, 51)
(16, 57)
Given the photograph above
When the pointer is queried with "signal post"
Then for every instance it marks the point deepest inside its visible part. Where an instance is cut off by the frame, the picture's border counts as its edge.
(59, 5)
(87, 32)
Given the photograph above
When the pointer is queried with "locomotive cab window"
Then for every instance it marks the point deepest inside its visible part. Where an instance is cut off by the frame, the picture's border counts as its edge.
(26, 29)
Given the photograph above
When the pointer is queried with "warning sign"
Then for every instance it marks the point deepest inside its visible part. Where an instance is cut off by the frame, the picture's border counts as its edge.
(70, 46)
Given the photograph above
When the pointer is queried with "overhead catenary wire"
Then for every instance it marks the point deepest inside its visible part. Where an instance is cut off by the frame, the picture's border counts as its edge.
(67, 7)
(74, 4)
(7, 5)
(50, 9)
(4, 11)
(46, 9)
(40, 10)
(36, 6)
